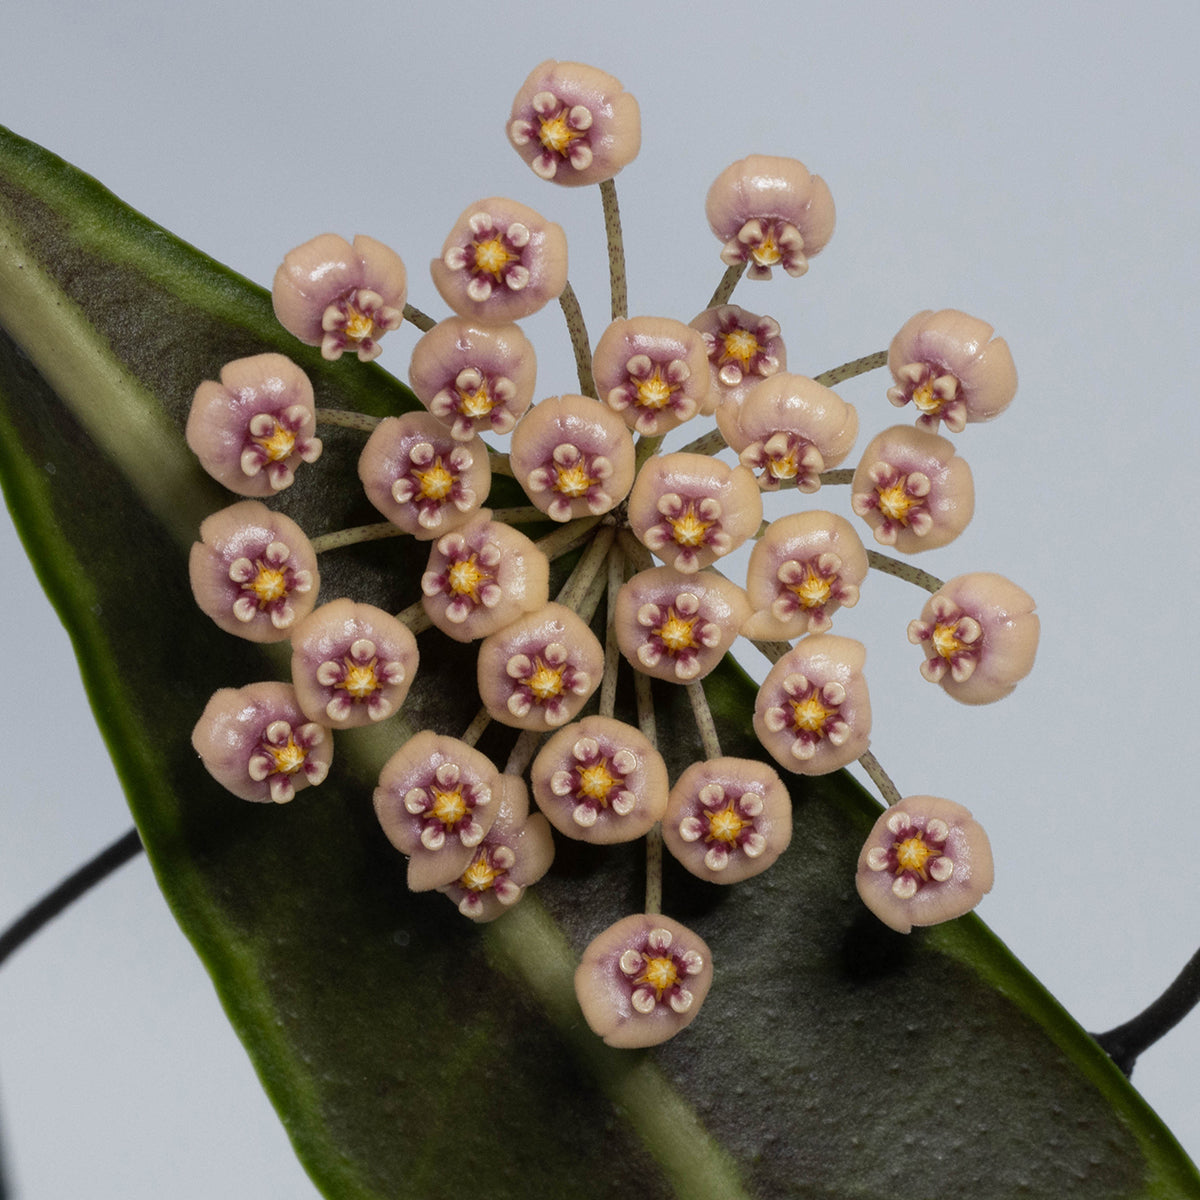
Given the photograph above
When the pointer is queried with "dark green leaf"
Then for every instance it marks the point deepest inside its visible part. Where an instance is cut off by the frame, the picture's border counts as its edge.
(409, 1053)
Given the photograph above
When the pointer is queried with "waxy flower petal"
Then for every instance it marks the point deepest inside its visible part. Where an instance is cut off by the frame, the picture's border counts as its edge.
(574, 124)
(252, 430)
(926, 860)
(743, 349)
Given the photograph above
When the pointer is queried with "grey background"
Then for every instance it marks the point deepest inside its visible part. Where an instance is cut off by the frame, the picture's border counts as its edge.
(1032, 164)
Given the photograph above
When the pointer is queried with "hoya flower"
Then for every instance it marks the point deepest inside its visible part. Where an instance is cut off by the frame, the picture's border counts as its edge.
(538, 672)
(352, 664)
(804, 568)
(483, 577)
(691, 509)
(677, 627)
(339, 296)
(926, 860)
(254, 572)
(743, 349)
(980, 636)
(436, 801)
(573, 456)
(515, 852)
(813, 714)
(421, 478)
(252, 430)
(651, 370)
(475, 378)
(643, 980)
(574, 124)
(770, 212)
(728, 819)
(789, 429)
(912, 489)
(501, 262)
(600, 780)
(257, 743)
(951, 368)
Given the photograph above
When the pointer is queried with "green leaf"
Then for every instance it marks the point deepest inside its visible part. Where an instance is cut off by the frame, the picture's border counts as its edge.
(410, 1053)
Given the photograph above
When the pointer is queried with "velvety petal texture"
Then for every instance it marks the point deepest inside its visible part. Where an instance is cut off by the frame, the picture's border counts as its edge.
(339, 296)
(352, 664)
(951, 368)
(257, 743)
(501, 262)
(252, 430)
(927, 860)
(813, 714)
(574, 124)
(980, 636)
(912, 489)
(254, 572)
(643, 980)
(770, 212)
(475, 378)
(573, 456)
(420, 477)
(728, 819)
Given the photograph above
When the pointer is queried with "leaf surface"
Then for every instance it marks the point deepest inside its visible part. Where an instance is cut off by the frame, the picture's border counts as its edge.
(410, 1053)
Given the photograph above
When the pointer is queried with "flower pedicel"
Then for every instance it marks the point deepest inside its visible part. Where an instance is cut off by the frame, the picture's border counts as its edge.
(609, 502)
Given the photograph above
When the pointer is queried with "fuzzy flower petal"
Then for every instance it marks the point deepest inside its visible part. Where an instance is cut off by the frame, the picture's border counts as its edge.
(770, 212)
(254, 572)
(643, 980)
(252, 430)
(574, 124)
(501, 262)
(339, 296)
(980, 636)
(952, 369)
(925, 861)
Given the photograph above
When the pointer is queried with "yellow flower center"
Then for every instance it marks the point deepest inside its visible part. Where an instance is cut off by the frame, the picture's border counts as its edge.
(278, 444)
(660, 974)
(555, 134)
(465, 578)
(269, 585)
(597, 781)
(476, 403)
(358, 325)
(574, 481)
(288, 759)
(784, 466)
(913, 853)
(546, 681)
(654, 392)
(945, 642)
(895, 503)
(360, 680)
(449, 807)
(689, 529)
(480, 875)
(810, 714)
(813, 590)
(925, 400)
(437, 483)
(492, 257)
(740, 346)
(676, 633)
(725, 826)
(767, 253)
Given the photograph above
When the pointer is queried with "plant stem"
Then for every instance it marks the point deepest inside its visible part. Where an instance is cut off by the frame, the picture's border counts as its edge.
(706, 443)
(616, 250)
(474, 731)
(704, 719)
(645, 712)
(856, 366)
(522, 752)
(524, 515)
(879, 777)
(415, 617)
(903, 570)
(354, 535)
(1126, 1042)
(347, 419)
(499, 464)
(840, 475)
(646, 449)
(580, 579)
(569, 303)
(773, 651)
(612, 651)
(77, 884)
(728, 282)
(421, 320)
(563, 540)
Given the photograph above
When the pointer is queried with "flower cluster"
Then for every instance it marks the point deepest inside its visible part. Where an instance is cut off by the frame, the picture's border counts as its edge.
(590, 464)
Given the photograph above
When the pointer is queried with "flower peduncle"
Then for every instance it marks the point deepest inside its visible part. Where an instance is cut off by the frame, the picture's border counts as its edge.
(903, 570)
(616, 249)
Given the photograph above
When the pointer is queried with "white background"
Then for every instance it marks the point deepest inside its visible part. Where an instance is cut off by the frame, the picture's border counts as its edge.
(1032, 164)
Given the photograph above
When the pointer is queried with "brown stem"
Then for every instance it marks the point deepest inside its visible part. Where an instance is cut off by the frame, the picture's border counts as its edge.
(905, 571)
(618, 284)
(569, 303)
(728, 282)
(346, 419)
(355, 534)
(856, 366)
(879, 777)
(421, 320)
